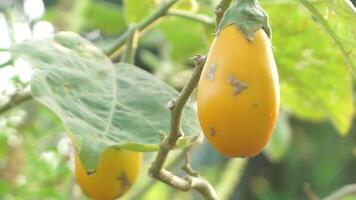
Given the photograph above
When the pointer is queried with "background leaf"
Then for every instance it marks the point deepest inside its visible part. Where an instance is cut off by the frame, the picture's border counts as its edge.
(278, 146)
(87, 16)
(101, 105)
(186, 38)
(340, 16)
(136, 10)
(314, 81)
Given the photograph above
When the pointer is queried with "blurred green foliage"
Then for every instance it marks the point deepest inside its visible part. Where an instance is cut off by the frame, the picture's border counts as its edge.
(317, 93)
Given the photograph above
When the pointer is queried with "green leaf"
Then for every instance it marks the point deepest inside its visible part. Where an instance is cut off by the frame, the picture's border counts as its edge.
(136, 10)
(337, 18)
(101, 104)
(314, 82)
(278, 146)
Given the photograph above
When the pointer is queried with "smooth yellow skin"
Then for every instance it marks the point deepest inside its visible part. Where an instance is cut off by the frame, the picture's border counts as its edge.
(238, 93)
(116, 172)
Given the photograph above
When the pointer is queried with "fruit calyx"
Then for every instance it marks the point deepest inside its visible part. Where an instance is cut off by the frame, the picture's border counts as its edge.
(248, 16)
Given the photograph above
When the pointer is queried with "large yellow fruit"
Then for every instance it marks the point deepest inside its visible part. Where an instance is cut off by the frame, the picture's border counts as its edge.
(117, 170)
(238, 93)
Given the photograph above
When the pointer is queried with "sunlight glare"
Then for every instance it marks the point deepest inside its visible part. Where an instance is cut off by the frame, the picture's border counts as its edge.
(34, 9)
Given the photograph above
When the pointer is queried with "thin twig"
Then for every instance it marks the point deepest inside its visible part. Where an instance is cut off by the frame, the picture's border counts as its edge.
(170, 164)
(187, 167)
(342, 192)
(192, 16)
(15, 99)
(160, 12)
(170, 141)
(308, 191)
(325, 25)
(132, 39)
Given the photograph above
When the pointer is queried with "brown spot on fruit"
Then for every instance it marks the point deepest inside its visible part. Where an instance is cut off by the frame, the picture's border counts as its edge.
(212, 131)
(91, 172)
(125, 183)
(211, 72)
(238, 86)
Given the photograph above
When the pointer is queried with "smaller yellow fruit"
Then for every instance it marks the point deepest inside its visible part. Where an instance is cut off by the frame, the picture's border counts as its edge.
(116, 172)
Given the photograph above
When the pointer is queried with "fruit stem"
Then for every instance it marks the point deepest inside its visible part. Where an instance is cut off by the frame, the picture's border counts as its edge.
(220, 10)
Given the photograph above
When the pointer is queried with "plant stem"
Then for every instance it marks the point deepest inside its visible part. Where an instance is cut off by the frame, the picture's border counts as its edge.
(168, 143)
(9, 24)
(15, 99)
(192, 16)
(131, 44)
(330, 32)
(220, 10)
(160, 12)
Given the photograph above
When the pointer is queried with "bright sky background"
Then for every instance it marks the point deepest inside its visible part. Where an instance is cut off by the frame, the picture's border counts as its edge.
(34, 10)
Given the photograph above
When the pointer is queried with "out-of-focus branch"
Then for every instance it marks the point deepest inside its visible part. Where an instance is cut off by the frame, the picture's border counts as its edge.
(15, 99)
(191, 16)
(309, 192)
(9, 24)
(339, 194)
(9, 62)
(160, 12)
(342, 192)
